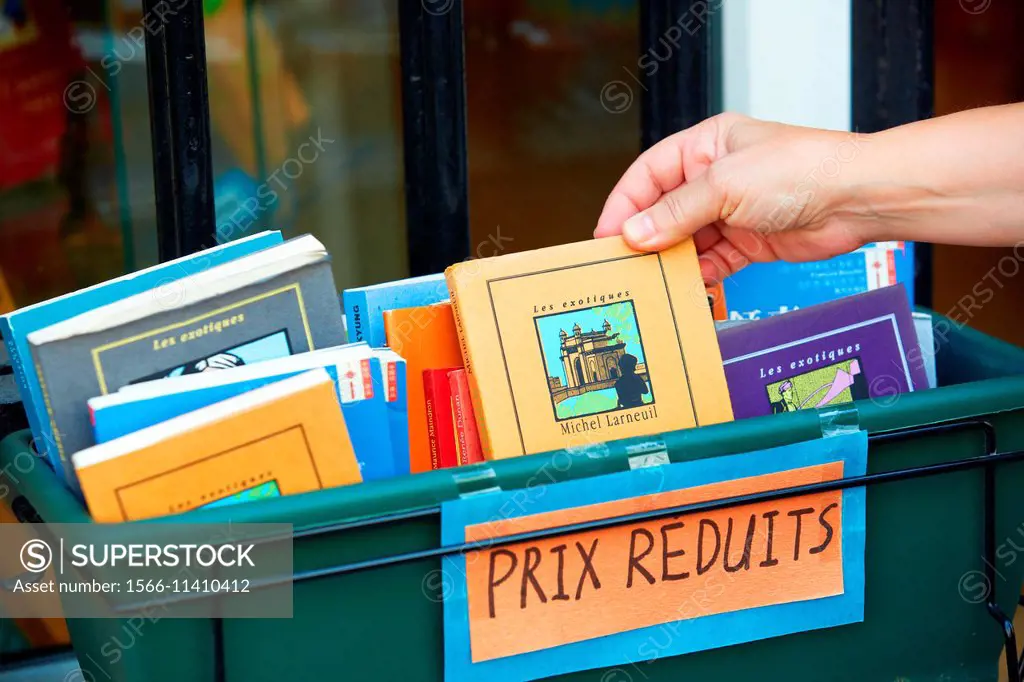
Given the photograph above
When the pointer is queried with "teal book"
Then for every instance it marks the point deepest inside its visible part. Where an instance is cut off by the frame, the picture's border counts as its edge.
(276, 302)
(164, 282)
(365, 306)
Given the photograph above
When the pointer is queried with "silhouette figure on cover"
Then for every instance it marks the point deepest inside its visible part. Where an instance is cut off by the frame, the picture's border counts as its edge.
(630, 387)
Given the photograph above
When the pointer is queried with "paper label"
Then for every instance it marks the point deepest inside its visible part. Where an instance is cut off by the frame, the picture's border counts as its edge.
(536, 595)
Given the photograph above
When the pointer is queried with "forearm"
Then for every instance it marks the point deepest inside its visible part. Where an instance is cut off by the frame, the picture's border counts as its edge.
(957, 179)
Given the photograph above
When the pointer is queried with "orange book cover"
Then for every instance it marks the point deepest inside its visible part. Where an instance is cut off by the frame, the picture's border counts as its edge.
(587, 342)
(281, 439)
(426, 338)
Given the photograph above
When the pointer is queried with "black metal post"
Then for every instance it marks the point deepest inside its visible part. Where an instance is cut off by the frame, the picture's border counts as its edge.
(894, 83)
(676, 38)
(434, 115)
(180, 126)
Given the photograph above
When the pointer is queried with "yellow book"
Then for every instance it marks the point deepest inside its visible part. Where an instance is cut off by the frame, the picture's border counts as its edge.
(281, 439)
(587, 342)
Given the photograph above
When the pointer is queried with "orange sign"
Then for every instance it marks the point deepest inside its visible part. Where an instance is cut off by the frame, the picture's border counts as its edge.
(539, 594)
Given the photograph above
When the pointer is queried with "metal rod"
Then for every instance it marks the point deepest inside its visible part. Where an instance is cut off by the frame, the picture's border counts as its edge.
(180, 126)
(434, 127)
(610, 522)
(674, 66)
(219, 659)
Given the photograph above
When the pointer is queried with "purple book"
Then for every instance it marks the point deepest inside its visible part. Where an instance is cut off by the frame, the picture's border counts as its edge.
(863, 346)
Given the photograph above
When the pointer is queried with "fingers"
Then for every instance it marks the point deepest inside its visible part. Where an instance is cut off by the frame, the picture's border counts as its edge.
(676, 216)
(660, 169)
(734, 250)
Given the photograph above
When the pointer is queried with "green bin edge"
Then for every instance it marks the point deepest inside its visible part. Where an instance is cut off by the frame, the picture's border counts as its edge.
(924, 543)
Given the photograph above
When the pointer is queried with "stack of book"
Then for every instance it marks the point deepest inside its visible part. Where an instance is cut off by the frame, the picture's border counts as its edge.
(226, 376)
(208, 380)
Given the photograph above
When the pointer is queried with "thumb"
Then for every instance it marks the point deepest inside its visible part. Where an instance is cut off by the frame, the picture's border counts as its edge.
(675, 216)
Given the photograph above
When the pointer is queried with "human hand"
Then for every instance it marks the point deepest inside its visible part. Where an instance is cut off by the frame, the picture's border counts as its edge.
(745, 190)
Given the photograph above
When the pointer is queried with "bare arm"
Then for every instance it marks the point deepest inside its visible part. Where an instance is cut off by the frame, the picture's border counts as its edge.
(752, 191)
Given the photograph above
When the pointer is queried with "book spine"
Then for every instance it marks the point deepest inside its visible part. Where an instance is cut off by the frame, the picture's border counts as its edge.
(459, 421)
(355, 314)
(467, 362)
(432, 418)
(465, 419)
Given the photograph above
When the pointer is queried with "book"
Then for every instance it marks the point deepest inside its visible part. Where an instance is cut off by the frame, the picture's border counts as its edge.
(285, 438)
(850, 349)
(425, 336)
(359, 385)
(440, 418)
(164, 281)
(588, 342)
(765, 289)
(276, 302)
(397, 404)
(467, 438)
(365, 306)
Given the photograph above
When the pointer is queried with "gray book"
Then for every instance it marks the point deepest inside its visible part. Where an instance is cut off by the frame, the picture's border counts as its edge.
(276, 302)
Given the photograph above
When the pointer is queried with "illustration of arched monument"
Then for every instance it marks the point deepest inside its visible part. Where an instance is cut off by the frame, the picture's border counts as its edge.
(591, 359)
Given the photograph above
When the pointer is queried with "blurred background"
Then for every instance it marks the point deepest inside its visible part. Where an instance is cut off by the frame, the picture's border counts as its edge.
(544, 148)
(305, 99)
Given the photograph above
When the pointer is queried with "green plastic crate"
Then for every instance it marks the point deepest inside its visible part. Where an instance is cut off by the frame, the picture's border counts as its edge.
(923, 535)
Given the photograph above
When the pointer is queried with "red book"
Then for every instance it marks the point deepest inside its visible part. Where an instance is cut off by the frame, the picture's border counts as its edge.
(440, 422)
(467, 438)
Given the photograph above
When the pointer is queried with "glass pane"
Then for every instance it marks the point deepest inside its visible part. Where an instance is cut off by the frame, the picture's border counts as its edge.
(305, 119)
(547, 141)
(59, 226)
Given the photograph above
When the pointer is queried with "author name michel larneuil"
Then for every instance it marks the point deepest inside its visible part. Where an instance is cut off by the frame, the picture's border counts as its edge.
(609, 419)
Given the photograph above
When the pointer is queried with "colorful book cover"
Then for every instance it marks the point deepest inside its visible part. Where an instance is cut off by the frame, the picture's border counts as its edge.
(165, 281)
(276, 302)
(588, 342)
(765, 289)
(854, 348)
(426, 338)
(360, 387)
(467, 438)
(397, 404)
(440, 418)
(285, 438)
(365, 306)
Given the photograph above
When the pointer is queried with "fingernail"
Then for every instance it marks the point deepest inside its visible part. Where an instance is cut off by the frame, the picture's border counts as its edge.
(639, 228)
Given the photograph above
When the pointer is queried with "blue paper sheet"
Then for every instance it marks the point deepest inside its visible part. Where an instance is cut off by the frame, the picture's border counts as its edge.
(670, 639)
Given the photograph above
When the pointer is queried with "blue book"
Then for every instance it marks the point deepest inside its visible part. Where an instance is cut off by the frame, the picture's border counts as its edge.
(393, 369)
(365, 306)
(164, 280)
(765, 289)
(356, 372)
